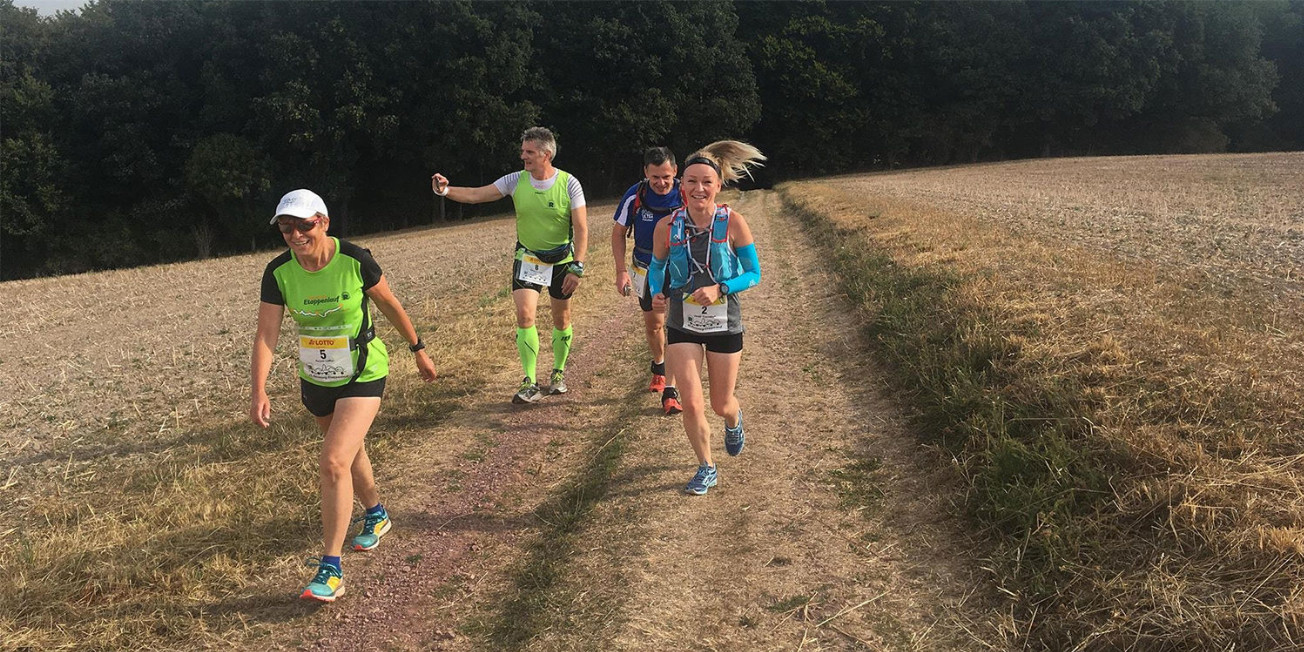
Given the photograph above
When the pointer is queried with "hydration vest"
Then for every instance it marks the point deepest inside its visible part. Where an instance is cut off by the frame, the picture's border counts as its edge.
(639, 204)
(723, 263)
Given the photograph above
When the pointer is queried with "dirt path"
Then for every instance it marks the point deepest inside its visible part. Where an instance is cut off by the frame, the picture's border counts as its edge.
(831, 531)
(773, 558)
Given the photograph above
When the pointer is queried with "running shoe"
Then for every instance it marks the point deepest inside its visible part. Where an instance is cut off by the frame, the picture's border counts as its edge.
(658, 383)
(326, 585)
(734, 437)
(557, 382)
(528, 393)
(670, 401)
(703, 480)
(374, 526)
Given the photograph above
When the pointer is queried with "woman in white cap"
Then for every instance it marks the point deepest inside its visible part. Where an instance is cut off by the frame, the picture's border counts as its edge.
(326, 284)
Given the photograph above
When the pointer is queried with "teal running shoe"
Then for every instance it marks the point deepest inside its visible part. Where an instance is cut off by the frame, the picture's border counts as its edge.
(702, 481)
(734, 437)
(374, 526)
(326, 585)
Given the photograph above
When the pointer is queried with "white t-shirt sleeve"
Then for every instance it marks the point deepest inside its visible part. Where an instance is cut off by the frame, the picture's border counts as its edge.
(623, 211)
(576, 193)
(506, 184)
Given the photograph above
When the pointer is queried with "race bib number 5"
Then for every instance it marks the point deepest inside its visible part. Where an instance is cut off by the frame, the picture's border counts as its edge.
(534, 271)
(326, 359)
(706, 319)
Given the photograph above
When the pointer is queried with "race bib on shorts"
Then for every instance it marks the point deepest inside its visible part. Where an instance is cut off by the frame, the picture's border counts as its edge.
(326, 359)
(706, 319)
(640, 281)
(534, 271)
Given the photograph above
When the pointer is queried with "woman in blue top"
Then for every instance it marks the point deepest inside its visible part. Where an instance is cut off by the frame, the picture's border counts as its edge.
(703, 256)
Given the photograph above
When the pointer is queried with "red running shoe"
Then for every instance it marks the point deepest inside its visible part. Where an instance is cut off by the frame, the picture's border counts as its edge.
(658, 383)
(670, 402)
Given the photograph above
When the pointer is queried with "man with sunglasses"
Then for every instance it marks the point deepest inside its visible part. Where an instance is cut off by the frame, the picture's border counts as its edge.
(552, 236)
(326, 284)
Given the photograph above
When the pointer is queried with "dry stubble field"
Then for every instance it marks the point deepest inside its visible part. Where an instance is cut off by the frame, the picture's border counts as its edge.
(147, 513)
(1156, 295)
(1132, 341)
(135, 494)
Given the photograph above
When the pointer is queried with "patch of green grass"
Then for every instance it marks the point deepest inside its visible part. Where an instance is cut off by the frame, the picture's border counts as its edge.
(856, 485)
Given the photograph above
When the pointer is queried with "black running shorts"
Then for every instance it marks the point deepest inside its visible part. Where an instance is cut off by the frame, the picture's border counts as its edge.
(554, 290)
(320, 401)
(721, 343)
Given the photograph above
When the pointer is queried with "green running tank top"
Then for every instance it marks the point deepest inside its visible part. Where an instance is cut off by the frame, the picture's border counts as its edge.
(330, 308)
(543, 217)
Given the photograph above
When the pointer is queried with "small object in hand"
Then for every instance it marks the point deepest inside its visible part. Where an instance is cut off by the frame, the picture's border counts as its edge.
(628, 289)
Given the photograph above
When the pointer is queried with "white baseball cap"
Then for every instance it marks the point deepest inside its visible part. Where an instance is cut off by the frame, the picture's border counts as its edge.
(300, 203)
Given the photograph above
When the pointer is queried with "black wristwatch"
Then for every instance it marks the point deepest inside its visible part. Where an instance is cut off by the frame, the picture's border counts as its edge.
(724, 289)
(576, 268)
(418, 346)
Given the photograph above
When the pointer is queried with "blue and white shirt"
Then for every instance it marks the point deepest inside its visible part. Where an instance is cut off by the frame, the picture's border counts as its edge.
(653, 208)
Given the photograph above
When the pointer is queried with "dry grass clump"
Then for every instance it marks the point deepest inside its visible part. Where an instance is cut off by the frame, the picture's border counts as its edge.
(142, 509)
(1126, 407)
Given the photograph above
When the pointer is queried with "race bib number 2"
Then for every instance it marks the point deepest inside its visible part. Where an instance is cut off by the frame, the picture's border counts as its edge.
(326, 359)
(706, 319)
(534, 271)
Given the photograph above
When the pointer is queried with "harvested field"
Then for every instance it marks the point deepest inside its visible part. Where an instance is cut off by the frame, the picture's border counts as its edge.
(1237, 219)
(146, 511)
(1101, 358)
(1114, 349)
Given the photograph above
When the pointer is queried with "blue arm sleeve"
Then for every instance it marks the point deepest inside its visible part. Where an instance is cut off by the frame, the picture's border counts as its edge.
(656, 275)
(751, 270)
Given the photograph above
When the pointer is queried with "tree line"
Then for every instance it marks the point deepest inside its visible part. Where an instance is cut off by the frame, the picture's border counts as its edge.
(144, 132)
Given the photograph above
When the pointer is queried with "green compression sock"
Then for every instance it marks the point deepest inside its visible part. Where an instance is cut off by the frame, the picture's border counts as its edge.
(527, 343)
(561, 345)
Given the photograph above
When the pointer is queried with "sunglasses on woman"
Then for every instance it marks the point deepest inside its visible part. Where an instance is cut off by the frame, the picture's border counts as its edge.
(302, 226)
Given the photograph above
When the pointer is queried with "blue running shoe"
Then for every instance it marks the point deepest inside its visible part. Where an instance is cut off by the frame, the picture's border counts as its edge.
(705, 479)
(374, 526)
(734, 437)
(327, 585)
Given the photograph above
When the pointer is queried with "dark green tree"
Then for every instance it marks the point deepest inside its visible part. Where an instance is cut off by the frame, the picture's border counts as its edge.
(31, 166)
(636, 74)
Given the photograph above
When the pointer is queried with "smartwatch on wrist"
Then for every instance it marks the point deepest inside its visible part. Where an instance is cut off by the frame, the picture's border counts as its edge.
(724, 289)
(576, 268)
(418, 346)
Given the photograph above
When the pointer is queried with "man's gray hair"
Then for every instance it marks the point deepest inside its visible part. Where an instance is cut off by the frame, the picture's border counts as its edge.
(547, 142)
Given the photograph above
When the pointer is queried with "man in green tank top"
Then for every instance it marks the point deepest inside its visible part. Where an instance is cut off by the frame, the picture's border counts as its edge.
(552, 237)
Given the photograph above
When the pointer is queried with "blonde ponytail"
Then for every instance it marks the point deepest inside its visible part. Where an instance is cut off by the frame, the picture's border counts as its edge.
(733, 158)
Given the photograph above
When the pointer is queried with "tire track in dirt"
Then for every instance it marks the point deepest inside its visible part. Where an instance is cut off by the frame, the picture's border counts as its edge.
(771, 558)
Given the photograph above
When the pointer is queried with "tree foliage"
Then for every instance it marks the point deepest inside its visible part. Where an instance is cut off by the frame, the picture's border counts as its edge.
(164, 131)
